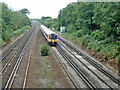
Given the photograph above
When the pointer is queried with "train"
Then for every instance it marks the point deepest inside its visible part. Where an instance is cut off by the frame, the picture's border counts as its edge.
(51, 37)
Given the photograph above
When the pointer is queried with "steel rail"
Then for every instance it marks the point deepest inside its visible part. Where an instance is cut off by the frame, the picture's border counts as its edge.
(26, 72)
(13, 55)
(91, 61)
(15, 69)
(28, 64)
(4, 67)
(76, 86)
(86, 66)
(6, 52)
(86, 80)
(74, 83)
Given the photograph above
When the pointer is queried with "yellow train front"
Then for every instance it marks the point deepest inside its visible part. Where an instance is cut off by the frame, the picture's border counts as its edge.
(52, 39)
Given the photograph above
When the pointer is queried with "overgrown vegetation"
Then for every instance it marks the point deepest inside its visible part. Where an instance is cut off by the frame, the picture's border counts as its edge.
(11, 21)
(92, 24)
(21, 30)
(44, 50)
(47, 73)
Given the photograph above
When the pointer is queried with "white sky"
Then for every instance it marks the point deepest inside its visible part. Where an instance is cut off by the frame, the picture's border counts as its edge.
(39, 8)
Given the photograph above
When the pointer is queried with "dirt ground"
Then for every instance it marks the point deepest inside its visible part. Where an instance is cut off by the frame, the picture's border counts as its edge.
(45, 72)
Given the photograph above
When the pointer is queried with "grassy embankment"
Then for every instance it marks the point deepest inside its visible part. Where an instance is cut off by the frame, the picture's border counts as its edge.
(14, 34)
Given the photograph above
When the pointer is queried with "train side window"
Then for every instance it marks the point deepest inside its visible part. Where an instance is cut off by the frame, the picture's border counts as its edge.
(50, 37)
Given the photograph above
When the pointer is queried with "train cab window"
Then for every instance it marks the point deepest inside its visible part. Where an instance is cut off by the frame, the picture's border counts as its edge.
(53, 36)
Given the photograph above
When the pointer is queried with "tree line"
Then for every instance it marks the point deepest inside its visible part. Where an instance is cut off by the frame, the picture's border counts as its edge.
(49, 22)
(97, 24)
(12, 21)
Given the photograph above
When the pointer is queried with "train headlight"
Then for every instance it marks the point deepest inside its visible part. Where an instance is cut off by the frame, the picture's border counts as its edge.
(53, 40)
(49, 39)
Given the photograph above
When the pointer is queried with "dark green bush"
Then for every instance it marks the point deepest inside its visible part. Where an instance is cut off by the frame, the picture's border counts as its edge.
(44, 50)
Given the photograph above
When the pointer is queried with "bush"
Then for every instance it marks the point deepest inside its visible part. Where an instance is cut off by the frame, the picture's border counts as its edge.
(118, 58)
(86, 39)
(6, 36)
(21, 30)
(44, 50)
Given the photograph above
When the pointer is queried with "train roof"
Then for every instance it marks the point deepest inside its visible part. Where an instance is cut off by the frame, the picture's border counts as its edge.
(47, 30)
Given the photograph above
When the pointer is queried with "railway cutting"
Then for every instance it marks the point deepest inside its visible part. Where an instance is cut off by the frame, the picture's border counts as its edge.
(66, 66)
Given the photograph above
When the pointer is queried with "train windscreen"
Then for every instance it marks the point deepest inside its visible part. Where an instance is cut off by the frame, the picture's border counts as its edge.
(53, 36)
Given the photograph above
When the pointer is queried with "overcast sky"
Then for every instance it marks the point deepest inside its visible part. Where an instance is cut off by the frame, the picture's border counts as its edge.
(39, 8)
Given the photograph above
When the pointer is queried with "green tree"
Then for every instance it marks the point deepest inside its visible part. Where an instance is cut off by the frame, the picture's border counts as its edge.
(24, 11)
(97, 24)
(12, 20)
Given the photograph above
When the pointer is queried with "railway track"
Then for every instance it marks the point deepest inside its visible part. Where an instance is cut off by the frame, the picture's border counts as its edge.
(26, 71)
(9, 56)
(93, 74)
(14, 45)
(92, 61)
(17, 65)
(11, 64)
(110, 83)
(28, 63)
(80, 75)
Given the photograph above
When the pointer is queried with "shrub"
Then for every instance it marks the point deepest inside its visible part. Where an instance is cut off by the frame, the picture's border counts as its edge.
(86, 40)
(118, 58)
(79, 33)
(21, 30)
(44, 50)
(6, 36)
